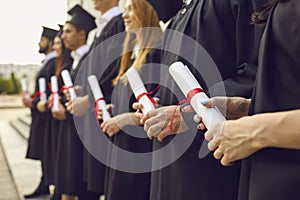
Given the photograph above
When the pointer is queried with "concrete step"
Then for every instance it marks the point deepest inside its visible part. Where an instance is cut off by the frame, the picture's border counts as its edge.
(26, 173)
(26, 119)
(21, 127)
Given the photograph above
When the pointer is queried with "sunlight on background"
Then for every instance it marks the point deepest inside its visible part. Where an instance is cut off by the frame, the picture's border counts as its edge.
(21, 22)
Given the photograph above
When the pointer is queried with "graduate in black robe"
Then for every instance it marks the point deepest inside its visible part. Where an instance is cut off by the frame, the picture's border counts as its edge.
(63, 60)
(223, 29)
(40, 121)
(94, 170)
(69, 166)
(124, 182)
(107, 45)
(273, 173)
(271, 139)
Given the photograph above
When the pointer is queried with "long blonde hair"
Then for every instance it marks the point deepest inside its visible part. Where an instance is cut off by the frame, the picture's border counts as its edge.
(146, 18)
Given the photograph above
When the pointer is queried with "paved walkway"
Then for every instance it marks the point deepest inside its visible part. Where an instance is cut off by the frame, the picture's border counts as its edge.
(8, 189)
(18, 176)
(7, 101)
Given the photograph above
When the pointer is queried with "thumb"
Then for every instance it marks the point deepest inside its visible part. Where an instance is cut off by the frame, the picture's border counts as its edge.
(207, 103)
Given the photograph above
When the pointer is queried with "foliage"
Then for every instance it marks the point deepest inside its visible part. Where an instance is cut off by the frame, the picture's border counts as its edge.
(10, 86)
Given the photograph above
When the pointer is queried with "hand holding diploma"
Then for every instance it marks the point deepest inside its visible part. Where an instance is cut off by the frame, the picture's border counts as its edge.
(139, 90)
(195, 94)
(98, 97)
(68, 83)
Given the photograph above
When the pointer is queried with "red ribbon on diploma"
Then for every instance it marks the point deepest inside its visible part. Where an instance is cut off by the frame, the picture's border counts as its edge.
(63, 88)
(97, 107)
(188, 99)
(52, 99)
(35, 95)
(148, 95)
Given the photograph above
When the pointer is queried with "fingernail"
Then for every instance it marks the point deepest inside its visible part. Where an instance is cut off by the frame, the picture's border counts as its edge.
(204, 102)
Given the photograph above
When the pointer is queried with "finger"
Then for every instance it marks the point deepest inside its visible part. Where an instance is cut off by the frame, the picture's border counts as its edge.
(212, 145)
(104, 129)
(69, 108)
(110, 106)
(201, 126)
(197, 118)
(154, 130)
(206, 103)
(137, 106)
(68, 103)
(188, 109)
(163, 134)
(145, 118)
(99, 117)
(209, 135)
(153, 121)
(102, 125)
(138, 115)
(156, 99)
(218, 154)
(225, 161)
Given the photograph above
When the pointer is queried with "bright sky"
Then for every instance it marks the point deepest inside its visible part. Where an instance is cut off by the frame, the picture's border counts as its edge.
(20, 23)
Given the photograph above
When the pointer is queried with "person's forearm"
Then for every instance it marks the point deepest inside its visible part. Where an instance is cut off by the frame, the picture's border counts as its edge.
(280, 129)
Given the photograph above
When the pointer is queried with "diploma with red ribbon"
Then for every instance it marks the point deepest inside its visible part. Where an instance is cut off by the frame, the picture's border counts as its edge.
(139, 90)
(195, 94)
(68, 83)
(54, 90)
(42, 89)
(98, 97)
(24, 89)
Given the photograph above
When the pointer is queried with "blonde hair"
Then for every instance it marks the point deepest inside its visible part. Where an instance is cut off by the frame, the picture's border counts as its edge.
(146, 17)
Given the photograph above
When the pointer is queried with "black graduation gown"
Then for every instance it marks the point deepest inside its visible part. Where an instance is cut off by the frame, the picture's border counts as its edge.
(96, 60)
(40, 122)
(69, 164)
(224, 31)
(51, 138)
(274, 173)
(120, 184)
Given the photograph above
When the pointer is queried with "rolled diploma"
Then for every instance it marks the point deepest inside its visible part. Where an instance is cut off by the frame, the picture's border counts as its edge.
(138, 88)
(54, 87)
(24, 88)
(42, 89)
(68, 83)
(187, 82)
(97, 93)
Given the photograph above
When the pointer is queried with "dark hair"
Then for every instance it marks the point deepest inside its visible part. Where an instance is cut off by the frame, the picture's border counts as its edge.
(260, 17)
(63, 60)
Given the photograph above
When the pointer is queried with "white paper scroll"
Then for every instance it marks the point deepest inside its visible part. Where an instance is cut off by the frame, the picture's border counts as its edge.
(187, 82)
(42, 89)
(97, 93)
(138, 88)
(25, 88)
(68, 83)
(55, 96)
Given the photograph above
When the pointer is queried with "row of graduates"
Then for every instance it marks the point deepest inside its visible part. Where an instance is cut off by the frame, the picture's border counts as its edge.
(224, 30)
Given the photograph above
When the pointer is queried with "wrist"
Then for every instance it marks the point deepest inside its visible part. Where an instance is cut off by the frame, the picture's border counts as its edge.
(262, 132)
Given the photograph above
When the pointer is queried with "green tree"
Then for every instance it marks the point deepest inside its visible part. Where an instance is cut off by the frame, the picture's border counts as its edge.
(16, 84)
